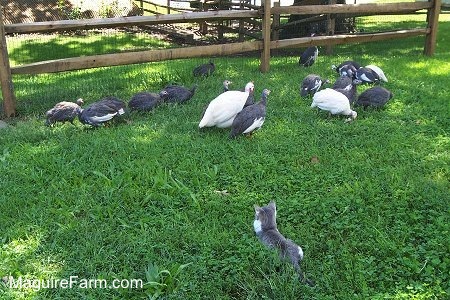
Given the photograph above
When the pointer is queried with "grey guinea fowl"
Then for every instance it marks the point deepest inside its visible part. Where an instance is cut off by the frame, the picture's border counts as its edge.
(310, 85)
(374, 97)
(145, 101)
(251, 117)
(179, 93)
(309, 57)
(102, 111)
(204, 69)
(63, 112)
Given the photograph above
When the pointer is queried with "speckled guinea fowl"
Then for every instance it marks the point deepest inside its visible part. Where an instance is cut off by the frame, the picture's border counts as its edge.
(310, 85)
(179, 93)
(367, 75)
(251, 117)
(342, 82)
(204, 69)
(222, 110)
(102, 111)
(64, 111)
(145, 101)
(309, 56)
(375, 97)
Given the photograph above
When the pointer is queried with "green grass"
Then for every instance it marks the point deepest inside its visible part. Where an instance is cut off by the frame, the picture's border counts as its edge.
(372, 215)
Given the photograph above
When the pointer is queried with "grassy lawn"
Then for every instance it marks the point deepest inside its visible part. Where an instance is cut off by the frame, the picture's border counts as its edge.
(371, 213)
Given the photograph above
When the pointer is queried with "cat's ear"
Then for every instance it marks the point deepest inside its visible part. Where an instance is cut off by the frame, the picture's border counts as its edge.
(257, 208)
(272, 204)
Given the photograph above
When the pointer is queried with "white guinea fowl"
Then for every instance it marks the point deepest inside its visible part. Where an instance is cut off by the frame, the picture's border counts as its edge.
(222, 110)
(379, 72)
(334, 102)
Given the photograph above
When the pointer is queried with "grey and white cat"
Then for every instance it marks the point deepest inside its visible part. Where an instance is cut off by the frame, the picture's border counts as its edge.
(265, 226)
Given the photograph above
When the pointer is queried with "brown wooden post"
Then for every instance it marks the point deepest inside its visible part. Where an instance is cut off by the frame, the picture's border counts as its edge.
(331, 25)
(433, 21)
(168, 7)
(9, 99)
(276, 24)
(265, 55)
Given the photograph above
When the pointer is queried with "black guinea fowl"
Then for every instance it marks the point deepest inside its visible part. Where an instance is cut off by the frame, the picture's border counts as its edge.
(204, 69)
(251, 117)
(102, 111)
(64, 111)
(309, 56)
(179, 93)
(146, 101)
(375, 97)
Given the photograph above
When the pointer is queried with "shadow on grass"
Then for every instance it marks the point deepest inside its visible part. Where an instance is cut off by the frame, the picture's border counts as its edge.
(57, 46)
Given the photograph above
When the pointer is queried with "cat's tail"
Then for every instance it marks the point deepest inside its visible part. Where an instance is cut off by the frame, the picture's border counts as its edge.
(305, 280)
(302, 277)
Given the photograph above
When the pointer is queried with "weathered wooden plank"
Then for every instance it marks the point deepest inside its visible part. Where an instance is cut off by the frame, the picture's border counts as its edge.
(189, 17)
(117, 59)
(346, 38)
(9, 99)
(266, 30)
(433, 21)
(373, 8)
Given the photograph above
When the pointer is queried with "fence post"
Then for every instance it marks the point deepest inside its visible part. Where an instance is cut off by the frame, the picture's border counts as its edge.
(433, 21)
(265, 55)
(9, 99)
(331, 26)
(276, 23)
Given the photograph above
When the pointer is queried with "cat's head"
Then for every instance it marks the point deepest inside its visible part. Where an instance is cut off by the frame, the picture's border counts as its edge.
(265, 217)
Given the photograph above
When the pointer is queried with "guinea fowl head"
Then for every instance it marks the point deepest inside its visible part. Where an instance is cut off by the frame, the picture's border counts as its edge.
(264, 95)
(163, 94)
(249, 87)
(226, 85)
(80, 102)
(353, 115)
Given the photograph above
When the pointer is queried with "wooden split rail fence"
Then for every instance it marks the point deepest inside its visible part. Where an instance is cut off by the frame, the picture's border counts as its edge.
(264, 46)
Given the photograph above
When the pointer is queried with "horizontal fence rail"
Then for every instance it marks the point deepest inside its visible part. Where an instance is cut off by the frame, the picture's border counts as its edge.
(379, 9)
(117, 59)
(130, 21)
